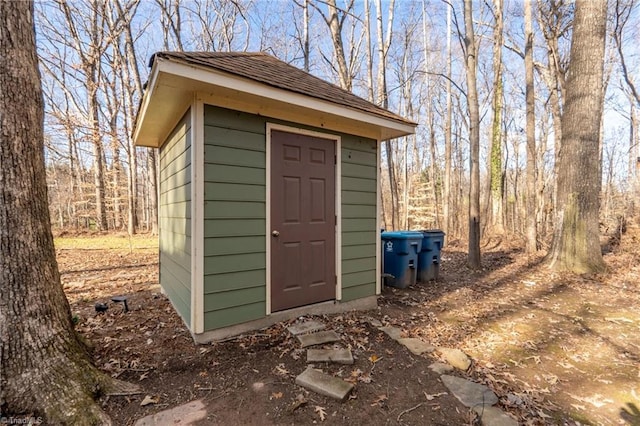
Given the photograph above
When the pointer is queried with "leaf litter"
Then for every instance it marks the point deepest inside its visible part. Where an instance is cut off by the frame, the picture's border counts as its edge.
(528, 341)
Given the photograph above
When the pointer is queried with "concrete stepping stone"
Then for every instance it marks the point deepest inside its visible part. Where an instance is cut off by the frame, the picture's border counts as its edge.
(186, 414)
(456, 358)
(471, 394)
(394, 332)
(373, 322)
(338, 356)
(305, 327)
(416, 346)
(493, 416)
(324, 384)
(318, 338)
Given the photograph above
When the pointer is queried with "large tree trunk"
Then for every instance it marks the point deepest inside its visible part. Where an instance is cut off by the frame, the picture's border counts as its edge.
(576, 242)
(532, 236)
(45, 369)
(496, 175)
(474, 138)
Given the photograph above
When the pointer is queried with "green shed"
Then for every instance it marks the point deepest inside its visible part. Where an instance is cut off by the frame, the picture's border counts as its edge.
(269, 190)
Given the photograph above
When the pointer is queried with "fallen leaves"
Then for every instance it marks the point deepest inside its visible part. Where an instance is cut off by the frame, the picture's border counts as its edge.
(374, 358)
(148, 400)
(322, 412)
(281, 370)
(380, 399)
(299, 402)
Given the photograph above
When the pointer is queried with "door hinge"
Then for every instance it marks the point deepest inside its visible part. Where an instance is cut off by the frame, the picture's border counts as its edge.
(335, 159)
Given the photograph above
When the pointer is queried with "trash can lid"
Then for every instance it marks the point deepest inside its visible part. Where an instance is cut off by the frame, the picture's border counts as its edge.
(432, 231)
(401, 235)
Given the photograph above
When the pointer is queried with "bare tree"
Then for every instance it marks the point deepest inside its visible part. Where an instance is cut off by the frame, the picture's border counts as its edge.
(576, 242)
(622, 12)
(335, 19)
(44, 367)
(555, 18)
(471, 55)
(383, 44)
(89, 54)
(532, 237)
(447, 133)
(496, 173)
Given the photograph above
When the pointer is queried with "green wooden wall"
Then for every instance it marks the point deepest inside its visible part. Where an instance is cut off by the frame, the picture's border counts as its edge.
(359, 227)
(174, 216)
(235, 216)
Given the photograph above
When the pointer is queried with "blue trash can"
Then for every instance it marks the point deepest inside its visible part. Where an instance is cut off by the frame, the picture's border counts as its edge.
(400, 257)
(429, 256)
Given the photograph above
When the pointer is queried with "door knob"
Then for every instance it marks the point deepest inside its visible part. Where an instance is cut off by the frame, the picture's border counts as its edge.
(275, 233)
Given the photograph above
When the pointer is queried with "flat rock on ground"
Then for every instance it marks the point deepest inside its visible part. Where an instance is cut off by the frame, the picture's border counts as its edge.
(185, 414)
(456, 358)
(394, 332)
(471, 394)
(324, 384)
(338, 356)
(440, 368)
(305, 327)
(416, 346)
(493, 416)
(318, 338)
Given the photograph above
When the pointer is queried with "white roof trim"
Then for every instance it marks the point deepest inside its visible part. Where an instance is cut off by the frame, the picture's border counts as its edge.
(244, 85)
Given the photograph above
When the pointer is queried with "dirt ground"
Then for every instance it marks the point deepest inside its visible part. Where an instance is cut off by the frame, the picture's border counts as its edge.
(556, 349)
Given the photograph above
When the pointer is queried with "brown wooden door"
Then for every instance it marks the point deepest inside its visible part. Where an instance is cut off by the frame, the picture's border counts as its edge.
(302, 220)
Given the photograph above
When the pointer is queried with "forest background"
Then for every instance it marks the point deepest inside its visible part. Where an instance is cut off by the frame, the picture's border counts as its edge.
(405, 55)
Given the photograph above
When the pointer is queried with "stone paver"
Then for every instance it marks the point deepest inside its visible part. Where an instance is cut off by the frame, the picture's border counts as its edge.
(305, 327)
(374, 322)
(324, 384)
(440, 368)
(318, 338)
(185, 414)
(339, 356)
(456, 358)
(416, 346)
(471, 394)
(394, 332)
(493, 416)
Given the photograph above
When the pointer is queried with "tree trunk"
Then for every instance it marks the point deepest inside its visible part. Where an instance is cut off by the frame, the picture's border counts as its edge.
(305, 37)
(496, 175)
(576, 242)
(335, 26)
(446, 223)
(116, 168)
(532, 235)
(45, 369)
(367, 36)
(383, 101)
(474, 137)
(153, 190)
(98, 160)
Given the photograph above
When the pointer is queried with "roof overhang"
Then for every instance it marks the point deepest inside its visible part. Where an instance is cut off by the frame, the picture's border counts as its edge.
(173, 86)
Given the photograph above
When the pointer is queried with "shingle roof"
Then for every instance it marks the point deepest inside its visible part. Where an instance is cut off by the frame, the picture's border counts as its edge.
(269, 70)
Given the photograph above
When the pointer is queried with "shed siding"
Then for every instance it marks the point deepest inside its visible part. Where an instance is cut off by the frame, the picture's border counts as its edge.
(175, 217)
(359, 227)
(235, 216)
